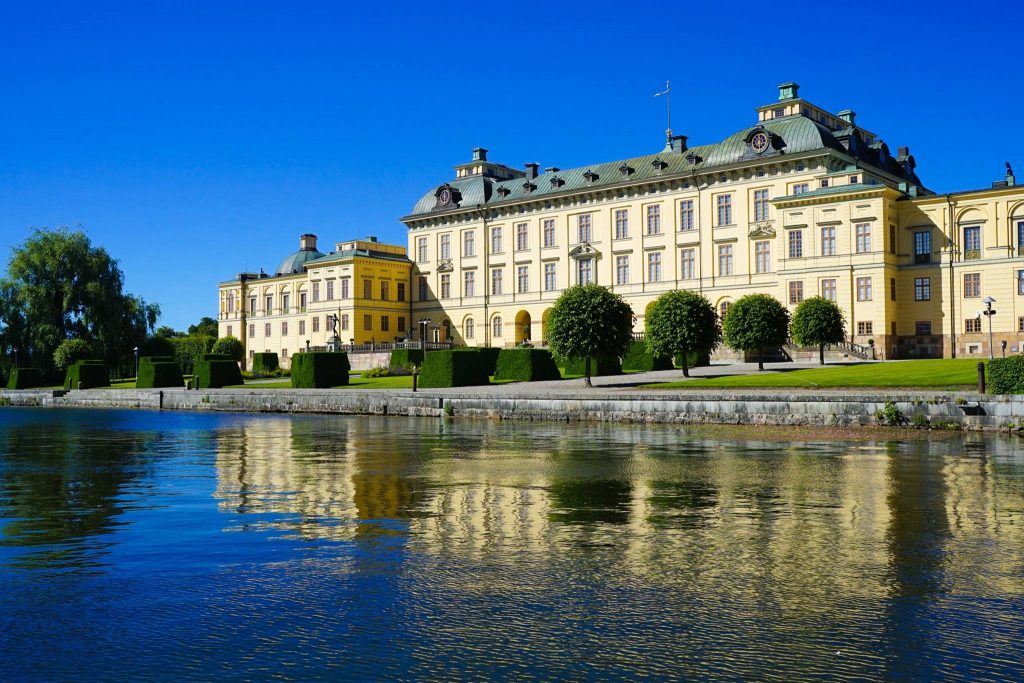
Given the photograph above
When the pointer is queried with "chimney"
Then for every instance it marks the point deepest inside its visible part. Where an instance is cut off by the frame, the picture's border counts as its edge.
(531, 171)
(787, 91)
(847, 115)
(552, 169)
(307, 242)
(902, 151)
(678, 143)
(1010, 179)
(371, 238)
(479, 154)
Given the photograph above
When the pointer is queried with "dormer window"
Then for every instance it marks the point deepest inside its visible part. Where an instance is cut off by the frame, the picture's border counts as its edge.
(626, 170)
(590, 177)
(779, 112)
(556, 181)
(693, 159)
(529, 187)
(659, 165)
(504, 191)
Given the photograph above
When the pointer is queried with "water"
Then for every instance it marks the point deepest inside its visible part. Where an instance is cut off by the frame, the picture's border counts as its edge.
(179, 546)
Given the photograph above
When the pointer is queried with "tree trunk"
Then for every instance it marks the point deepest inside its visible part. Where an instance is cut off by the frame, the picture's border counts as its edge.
(760, 360)
(686, 368)
(586, 371)
(821, 354)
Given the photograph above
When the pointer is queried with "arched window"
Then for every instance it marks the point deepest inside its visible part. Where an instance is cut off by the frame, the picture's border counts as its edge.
(496, 326)
(447, 325)
(723, 308)
(468, 328)
(231, 303)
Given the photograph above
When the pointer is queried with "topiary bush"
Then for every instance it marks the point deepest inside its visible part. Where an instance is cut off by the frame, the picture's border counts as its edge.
(488, 357)
(158, 371)
(406, 359)
(25, 378)
(213, 371)
(265, 362)
(1006, 375)
(229, 346)
(69, 351)
(638, 358)
(87, 374)
(454, 368)
(319, 369)
(526, 365)
(599, 366)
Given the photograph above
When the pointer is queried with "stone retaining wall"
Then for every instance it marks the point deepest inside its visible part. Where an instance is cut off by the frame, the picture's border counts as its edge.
(948, 410)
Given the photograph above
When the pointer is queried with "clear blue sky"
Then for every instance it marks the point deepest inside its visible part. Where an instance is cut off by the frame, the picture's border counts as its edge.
(196, 140)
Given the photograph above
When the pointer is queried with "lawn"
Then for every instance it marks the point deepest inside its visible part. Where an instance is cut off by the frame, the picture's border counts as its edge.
(354, 382)
(932, 374)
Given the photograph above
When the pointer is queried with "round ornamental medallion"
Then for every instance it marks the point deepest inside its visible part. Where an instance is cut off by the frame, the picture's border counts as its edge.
(760, 142)
(445, 196)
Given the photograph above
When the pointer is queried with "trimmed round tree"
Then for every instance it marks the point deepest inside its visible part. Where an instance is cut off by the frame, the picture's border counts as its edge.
(588, 321)
(229, 346)
(754, 323)
(680, 322)
(816, 322)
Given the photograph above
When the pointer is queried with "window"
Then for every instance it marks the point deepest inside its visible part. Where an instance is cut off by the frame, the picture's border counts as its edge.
(923, 328)
(421, 251)
(316, 291)
(583, 228)
(763, 256)
(621, 224)
(523, 279)
(801, 188)
(828, 241)
(865, 327)
(1020, 324)
(286, 300)
(302, 301)
(368, 323)
(853, 181)
(585, 271)
(385, 290)
(496, 278)
(892, 239)
(796, 243)
(367, 289)
(401, 291)
(252, 330)
(922, 289)
(469, 243)
(468, 328)
(230, 331)
(972, 325)
(522, 237)
(284, 353)
(724, 205)
(446, 246)
(621, 270)
(549, 277)
(1020, 238)
(863, 238)
(231, 303)
(796, 292)
(723, 309)
(654, 220)
(302, 327)
(923, 246)
(401, 323)
(779, 112)
(385, 323)
(1020, 281)
(863, 289)
(269, 301)
(330, 290)
(686, 214)
(423, 288)
(760, 205)
(446, 285)
(725, 259)
(496, 326)
(344, 322)
(972, 242)
(824, 182)
(266, 329)
(688, 264)
(828, 289)
(252, 303)
(549, 232)
(316, 323)
(892, 289)
(345, 289)
(654, 267)
(972, 285)
(469, 283)
(496, 240)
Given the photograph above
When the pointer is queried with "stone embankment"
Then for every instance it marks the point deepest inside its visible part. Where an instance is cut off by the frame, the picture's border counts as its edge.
(813, 408)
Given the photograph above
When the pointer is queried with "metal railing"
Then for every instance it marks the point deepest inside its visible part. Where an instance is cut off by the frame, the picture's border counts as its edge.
(375, 347)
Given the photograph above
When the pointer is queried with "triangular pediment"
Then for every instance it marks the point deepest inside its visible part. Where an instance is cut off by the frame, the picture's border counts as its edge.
(762, 231)
(583, 250)
(445, 266)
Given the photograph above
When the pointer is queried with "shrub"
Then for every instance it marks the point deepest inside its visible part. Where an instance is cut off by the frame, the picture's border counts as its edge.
(319, 369)
(756, 322)
(213, 371)
(69, 351)
(639, 358)
(599, 365)
(265, 362)
(406, 359)
(680, 322)
(589, 321)
(376, 372)
(526, 365)
(187, 350)
(25, 378)
(229, 346)
(87, 374)
(1006, 375)
(158, 371)
(462, 368)
(488, 358)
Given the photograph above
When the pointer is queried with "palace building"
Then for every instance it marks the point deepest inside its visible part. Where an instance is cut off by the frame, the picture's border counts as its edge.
(802, 202)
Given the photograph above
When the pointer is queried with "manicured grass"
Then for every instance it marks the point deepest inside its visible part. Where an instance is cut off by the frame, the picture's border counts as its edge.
(935, 373)
(354, 382)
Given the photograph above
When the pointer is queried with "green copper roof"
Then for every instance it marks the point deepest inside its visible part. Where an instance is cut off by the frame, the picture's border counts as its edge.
(294, 263)
(838, 189)
(350, 253)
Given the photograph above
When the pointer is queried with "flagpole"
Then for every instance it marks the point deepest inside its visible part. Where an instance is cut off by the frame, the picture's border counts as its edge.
(667, 92)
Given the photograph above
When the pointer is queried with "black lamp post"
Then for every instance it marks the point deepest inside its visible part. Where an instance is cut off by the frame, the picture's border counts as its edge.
(136, 350)
(989, 312)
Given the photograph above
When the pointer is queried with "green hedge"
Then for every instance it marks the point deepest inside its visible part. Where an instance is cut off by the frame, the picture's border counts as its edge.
(25, 378)
(264, 362)
(488, 357)
(454, 368)
(406, 358)
(1006, 375)
(214, 371)
(158, 371)
(601, 365)
(693, 360)
(87, 373)
(319, 369)
(640, 359)
(526, 365)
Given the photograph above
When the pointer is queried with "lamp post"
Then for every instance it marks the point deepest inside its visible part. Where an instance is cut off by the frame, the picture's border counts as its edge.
(307, 346)
(136, 350)
(989, 311)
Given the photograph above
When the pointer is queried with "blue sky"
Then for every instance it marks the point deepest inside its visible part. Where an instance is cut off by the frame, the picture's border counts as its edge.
(197, 140)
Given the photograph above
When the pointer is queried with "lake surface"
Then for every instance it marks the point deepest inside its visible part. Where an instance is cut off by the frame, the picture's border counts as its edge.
(145, 545)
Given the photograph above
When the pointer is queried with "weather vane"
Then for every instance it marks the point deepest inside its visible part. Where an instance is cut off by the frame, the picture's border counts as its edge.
(667, 92)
